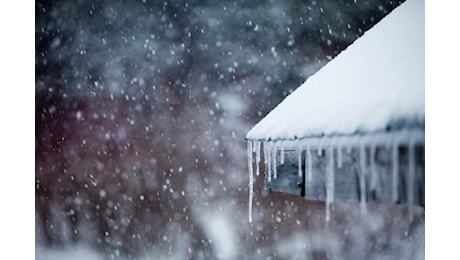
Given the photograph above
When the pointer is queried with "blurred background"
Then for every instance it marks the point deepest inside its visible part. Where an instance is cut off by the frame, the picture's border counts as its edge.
(141, 108)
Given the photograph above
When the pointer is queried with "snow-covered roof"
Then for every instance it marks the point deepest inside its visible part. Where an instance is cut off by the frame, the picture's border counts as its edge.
(375, 84)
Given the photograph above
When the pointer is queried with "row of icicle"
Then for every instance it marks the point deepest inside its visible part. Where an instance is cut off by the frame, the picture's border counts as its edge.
(271, 148)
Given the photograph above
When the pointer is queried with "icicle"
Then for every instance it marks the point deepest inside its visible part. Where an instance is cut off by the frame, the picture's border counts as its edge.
(269, 159)
(305, 172)
(362, 177)
(339, 156)
(265, 152)
(282, 153)
(299, 160)
(332, 175)
(320, 148)
(257, 157)
(411, 177)
(329, 182)
(251, 179)
(267, 170)
(374, 175)
(327, 212)
(275, 174)
(395, 168)
(309, 162)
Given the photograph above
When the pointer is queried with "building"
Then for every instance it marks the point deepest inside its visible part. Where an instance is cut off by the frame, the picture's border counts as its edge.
(355, 130)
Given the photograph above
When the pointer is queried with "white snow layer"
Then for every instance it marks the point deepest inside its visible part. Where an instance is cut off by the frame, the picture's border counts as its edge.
(378, 80)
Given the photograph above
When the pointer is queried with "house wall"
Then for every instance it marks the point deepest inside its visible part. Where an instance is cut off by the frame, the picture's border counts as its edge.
(374, 177)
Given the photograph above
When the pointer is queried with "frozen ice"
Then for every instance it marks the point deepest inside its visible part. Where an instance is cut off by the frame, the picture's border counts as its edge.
(373, 170)
(282, 153)
(257, 157)
(329, 182)
(268, 162)
(362, 177)
(395, 167)
(411, 177)
(339, 156)
(274, 164)
(310, 166)
(299, 160)
(251, 179)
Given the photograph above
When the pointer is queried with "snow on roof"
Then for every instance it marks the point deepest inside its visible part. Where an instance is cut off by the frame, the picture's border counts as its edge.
(376, 83)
